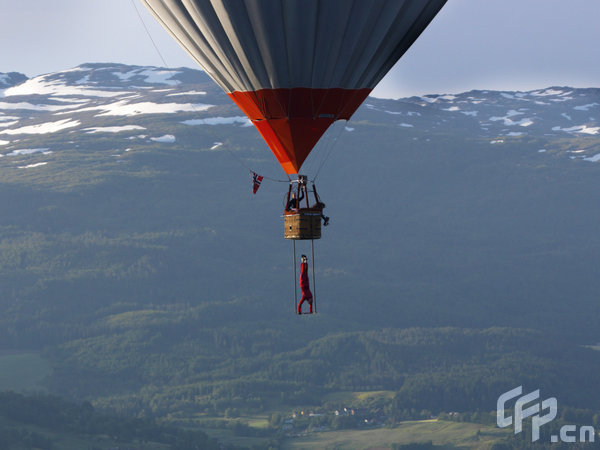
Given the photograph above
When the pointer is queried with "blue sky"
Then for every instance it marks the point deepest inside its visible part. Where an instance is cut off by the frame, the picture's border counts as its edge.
(471, 44)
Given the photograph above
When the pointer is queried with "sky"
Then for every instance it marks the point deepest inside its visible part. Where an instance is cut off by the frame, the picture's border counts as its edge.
(471, 44)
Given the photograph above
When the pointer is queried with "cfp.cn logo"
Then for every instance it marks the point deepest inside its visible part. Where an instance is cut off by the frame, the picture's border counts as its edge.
(541, 413)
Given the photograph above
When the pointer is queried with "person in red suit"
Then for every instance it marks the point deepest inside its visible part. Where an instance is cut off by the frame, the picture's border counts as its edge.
(304, 286)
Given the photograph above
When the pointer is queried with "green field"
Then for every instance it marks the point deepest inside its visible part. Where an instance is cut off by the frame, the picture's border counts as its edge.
(452, 434)
(22, 371)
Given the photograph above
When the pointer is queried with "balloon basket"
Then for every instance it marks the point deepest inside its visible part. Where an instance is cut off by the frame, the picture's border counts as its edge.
(303, 224)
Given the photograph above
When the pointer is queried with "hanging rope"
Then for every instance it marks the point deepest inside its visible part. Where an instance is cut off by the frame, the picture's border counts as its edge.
(318, 153)
(329, 151)
(149, 34)
(328, 148)
(295, 279)
(193, 105)
(251, 171)
(312, 242)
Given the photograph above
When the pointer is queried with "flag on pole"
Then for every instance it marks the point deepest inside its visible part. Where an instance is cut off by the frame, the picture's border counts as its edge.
(256, 180)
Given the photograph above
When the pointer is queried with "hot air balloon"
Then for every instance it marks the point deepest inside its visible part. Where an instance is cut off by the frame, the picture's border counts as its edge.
(294, 67)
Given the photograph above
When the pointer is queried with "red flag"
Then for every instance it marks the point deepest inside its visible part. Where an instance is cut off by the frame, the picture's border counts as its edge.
(256, 180)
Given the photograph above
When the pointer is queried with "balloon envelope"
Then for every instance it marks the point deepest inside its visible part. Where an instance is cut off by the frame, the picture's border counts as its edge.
(295, 66)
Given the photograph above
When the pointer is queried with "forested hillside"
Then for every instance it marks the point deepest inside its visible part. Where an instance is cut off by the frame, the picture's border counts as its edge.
(461, 259)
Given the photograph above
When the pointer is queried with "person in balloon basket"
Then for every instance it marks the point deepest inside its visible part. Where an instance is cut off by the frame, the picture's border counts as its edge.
(304, 286)
(294, 201)
(320, 206)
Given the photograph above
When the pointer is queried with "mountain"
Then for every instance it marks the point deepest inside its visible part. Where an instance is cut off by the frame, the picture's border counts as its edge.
(10, 79)
(461, 260)
(96, 98)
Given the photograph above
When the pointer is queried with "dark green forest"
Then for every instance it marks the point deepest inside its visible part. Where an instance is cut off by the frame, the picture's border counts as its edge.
(43, 421)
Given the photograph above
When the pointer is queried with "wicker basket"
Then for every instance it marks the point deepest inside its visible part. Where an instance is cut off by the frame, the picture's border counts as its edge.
(303, 224)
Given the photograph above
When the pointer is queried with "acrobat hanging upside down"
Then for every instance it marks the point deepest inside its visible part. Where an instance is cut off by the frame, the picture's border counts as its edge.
(304, 286)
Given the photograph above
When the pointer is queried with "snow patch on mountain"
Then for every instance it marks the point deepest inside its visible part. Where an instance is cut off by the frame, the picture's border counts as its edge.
(586, 107)
(151, 75)
(35, 107)
(116, 129)
(433, 98)
(30, 166)
(549, 92)
(594, 158)
(124, 108)
(187, 93)
(166, 139)
(219, 121)
(44, 128)
(429, 99)
(578, 129)
(42, 86)
(524, 122)
(80, 101)
(509, 122)
(84, 80)
(28, 151)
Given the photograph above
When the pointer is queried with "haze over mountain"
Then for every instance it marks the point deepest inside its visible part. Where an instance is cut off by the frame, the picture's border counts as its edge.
(135, 259)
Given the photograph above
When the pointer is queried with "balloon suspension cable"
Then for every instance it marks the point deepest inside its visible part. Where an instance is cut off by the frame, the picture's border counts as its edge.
(329, 150)
(149, 34)
(193, 105)
(295, 279)
(241, 162)
(312, 242)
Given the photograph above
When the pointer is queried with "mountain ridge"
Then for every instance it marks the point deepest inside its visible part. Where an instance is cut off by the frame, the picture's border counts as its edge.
(96, 98)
